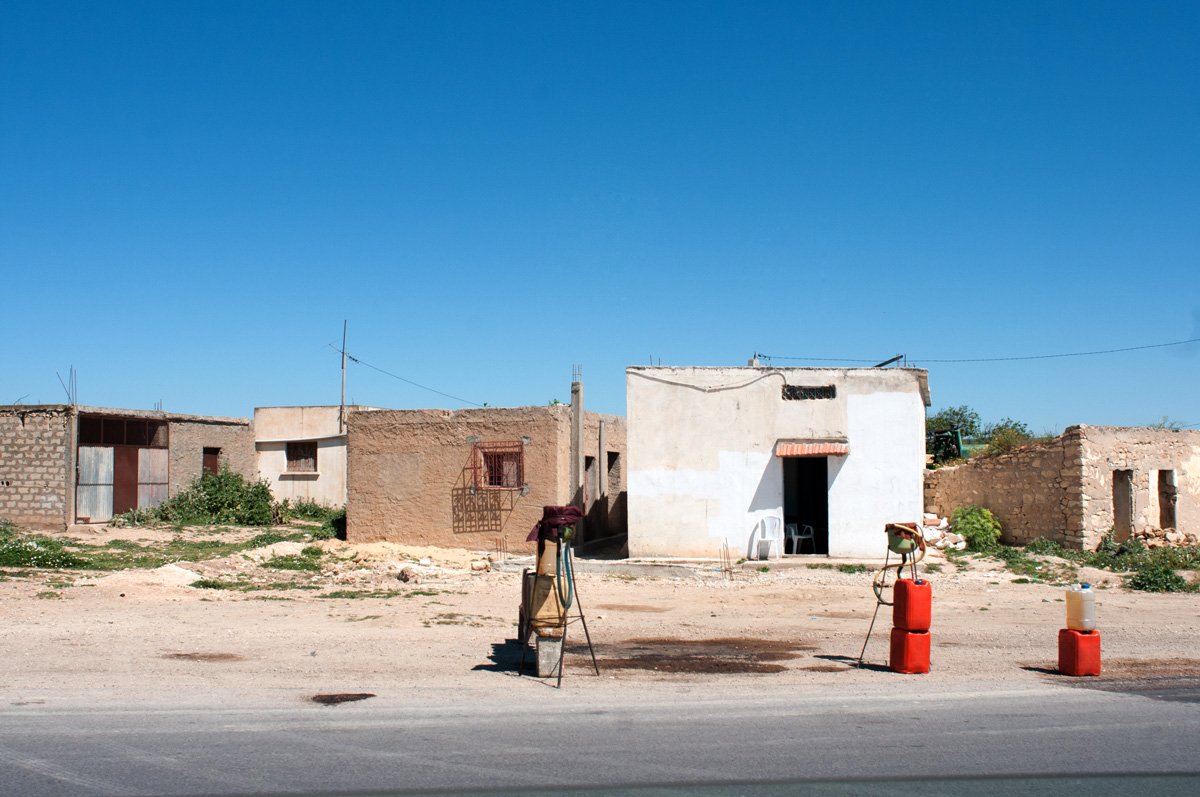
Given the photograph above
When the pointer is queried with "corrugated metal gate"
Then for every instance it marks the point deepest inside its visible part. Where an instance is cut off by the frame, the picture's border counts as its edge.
(94, 492)
(122, 465)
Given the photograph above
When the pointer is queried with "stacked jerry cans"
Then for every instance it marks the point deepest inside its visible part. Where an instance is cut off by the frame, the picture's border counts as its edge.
(1079, 642)
(913, 603)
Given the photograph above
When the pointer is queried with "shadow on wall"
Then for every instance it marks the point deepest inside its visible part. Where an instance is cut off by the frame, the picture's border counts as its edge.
(474, 509)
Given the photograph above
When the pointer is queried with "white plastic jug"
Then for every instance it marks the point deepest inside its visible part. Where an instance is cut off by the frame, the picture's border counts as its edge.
(1081, 608)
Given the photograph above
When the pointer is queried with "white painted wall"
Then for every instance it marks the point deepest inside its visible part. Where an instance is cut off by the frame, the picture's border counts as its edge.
(274, 427)
(702, 467)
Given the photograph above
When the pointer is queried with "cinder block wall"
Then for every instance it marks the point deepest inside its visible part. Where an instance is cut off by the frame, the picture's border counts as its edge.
(188, 439)
(1035, 491)
(35, 465)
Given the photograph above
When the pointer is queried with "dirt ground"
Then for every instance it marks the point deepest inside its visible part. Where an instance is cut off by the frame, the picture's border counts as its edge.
(353, 626)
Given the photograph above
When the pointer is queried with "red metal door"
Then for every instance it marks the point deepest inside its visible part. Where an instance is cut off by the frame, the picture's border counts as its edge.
(125, 479)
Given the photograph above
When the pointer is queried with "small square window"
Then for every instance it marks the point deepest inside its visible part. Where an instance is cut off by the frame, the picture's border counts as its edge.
(302, 457)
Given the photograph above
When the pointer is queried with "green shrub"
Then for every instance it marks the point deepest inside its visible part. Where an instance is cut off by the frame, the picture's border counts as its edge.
(307, 510)
(1158, 577)
(978, 526)
(334, 526)
(212, 499)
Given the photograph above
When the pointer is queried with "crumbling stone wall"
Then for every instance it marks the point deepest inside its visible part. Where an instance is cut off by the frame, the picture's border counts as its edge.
(1145, 451)
(1034, 491)
(189, 438)
(36, 465)
(1063, 490)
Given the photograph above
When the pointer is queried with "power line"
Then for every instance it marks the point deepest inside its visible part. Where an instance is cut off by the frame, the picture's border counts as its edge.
(354, 359)
(995, 359)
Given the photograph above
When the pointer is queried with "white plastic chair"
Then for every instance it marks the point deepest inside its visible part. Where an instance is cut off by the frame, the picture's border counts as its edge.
(797, 534)
(766, 541)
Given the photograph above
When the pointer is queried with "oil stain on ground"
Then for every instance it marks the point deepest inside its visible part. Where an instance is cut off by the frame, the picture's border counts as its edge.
(1174, 680)
(727, 655)
(332, 699)
(203, 656)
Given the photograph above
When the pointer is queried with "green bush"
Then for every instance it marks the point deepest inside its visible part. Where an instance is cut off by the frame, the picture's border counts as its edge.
(978, 526)
(307, 510)
(1158, 577)
(212, 499)
(334, 526)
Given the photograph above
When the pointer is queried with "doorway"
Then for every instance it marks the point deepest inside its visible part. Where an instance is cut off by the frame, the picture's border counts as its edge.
(1122, 505)
(806, 502)
(1168, 495)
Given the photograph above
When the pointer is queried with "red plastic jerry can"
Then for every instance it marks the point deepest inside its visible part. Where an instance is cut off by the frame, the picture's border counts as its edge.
(910, 651)
(1078, 652)
(913, 604)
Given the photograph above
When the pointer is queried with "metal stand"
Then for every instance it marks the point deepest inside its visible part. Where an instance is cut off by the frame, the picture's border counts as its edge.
(527, 630)
(878, 603)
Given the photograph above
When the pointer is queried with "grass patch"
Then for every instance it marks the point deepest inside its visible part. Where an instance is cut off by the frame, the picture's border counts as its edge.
(853, 568)
(308, 560)
(250, 586)
(764, 569)
(819, 565)
(934, 567)
(49, 595)
(32, 550)
(355, 594)
(1151, 570)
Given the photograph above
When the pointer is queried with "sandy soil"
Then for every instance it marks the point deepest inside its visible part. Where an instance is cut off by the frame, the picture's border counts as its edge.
(449, 626)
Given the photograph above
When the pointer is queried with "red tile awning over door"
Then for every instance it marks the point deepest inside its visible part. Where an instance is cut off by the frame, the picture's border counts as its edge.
(811, 448)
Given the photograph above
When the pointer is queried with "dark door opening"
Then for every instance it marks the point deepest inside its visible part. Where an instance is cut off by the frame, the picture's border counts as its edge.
(1168, 495)
(125, 479)
(1122, 504)
(211, 462)
(806, 503)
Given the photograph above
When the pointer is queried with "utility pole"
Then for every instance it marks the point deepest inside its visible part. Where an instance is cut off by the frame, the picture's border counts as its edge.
(579, 499)
(342, 406)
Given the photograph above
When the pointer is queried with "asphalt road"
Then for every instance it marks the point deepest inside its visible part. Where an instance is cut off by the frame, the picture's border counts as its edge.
(525, 736)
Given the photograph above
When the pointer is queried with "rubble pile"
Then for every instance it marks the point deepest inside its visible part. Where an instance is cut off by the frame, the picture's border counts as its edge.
(937, 533)
(1167, 538)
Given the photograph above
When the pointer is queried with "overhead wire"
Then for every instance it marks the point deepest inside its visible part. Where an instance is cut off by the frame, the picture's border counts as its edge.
(993, 359)
(360, 361)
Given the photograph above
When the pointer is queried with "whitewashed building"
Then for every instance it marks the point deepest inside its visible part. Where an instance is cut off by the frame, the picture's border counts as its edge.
(301, 452)
(823, 458)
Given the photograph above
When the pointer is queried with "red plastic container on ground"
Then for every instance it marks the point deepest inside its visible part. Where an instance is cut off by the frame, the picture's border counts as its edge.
(913, 601)
(910, 651)
(1078, 652)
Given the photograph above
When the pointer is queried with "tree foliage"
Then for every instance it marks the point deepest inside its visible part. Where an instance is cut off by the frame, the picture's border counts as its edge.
(962, 418)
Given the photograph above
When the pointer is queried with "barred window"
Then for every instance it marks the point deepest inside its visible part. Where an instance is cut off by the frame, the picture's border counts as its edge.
(499, 466)
(807, 392)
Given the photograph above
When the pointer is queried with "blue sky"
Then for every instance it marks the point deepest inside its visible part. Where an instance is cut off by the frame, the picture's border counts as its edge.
(193, 196)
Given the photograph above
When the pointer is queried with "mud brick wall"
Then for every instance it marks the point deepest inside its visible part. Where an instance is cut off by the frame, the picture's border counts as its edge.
(188, 439)
(35, 465)
(408, 477)
(1035, 491)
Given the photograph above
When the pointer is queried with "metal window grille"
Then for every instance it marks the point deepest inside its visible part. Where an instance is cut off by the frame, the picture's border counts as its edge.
(302, 457)
(498, 466)
(808, 393)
